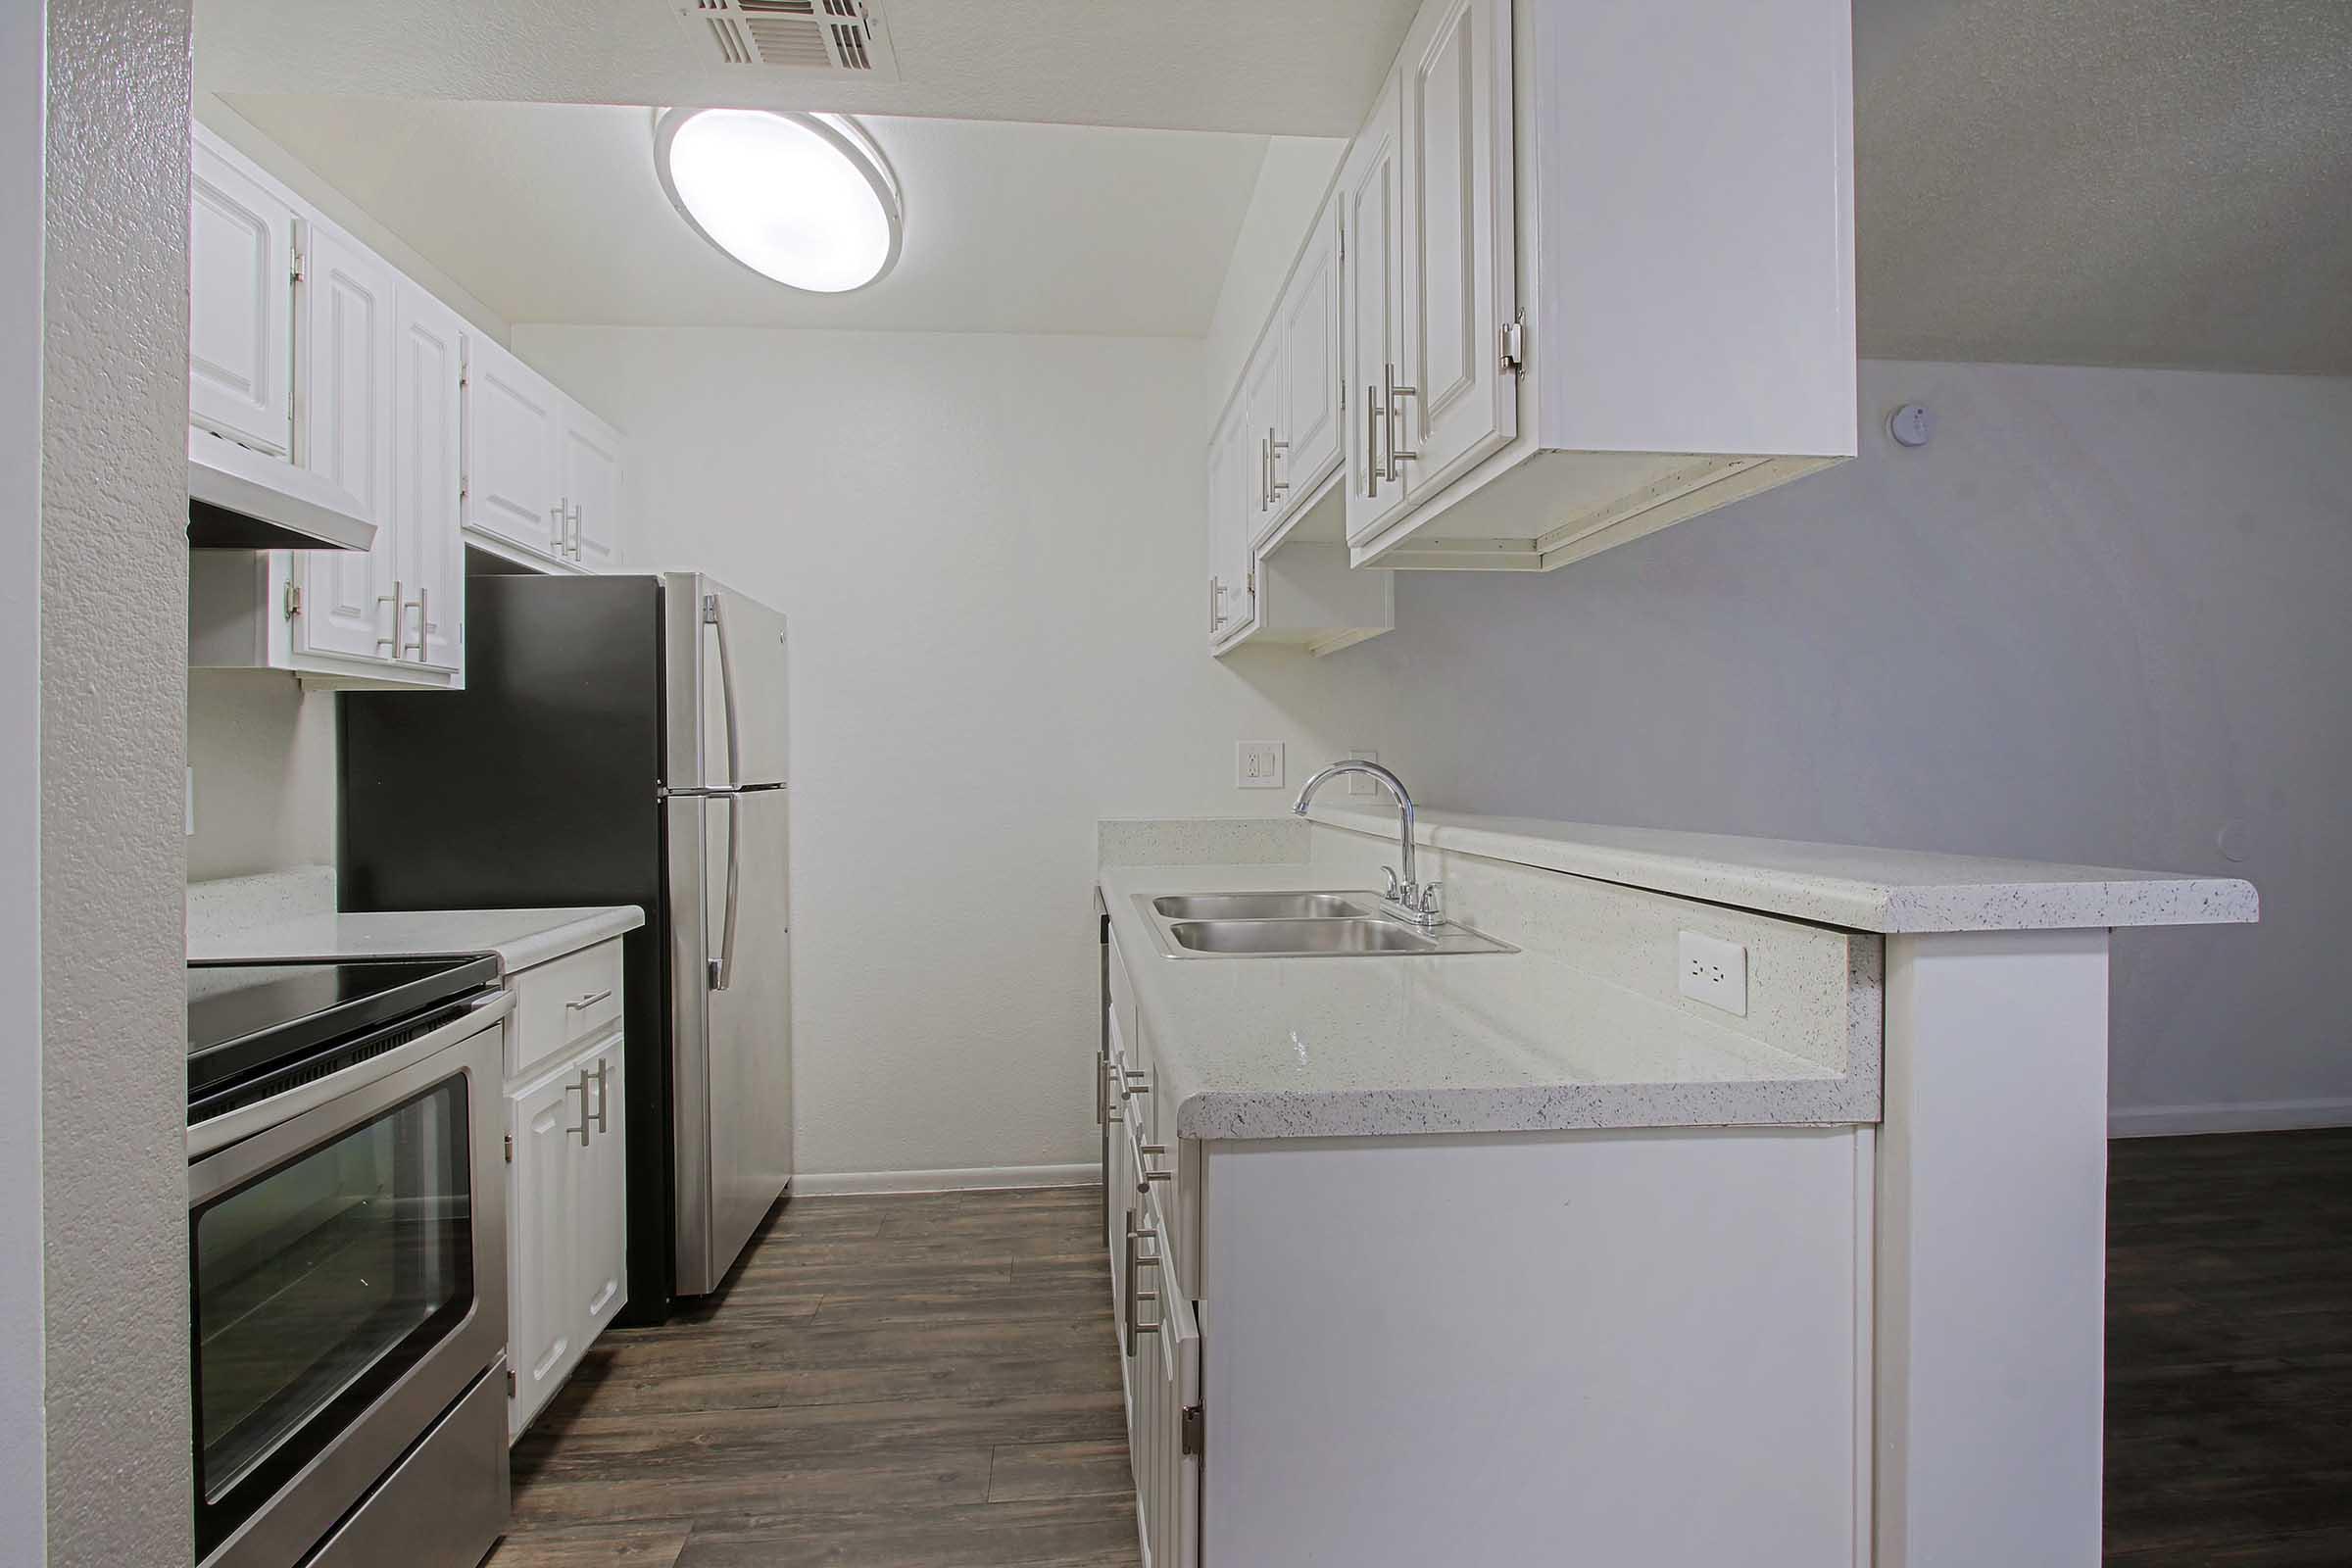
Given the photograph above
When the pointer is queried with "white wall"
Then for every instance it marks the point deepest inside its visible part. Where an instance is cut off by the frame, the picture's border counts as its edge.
(2102, 617)
(1290, 183)
(988, 547)
(21, 51)
(264, 751)
(114, 700)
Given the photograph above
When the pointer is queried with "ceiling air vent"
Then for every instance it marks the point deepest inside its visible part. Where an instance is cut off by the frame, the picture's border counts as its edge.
(824, 37)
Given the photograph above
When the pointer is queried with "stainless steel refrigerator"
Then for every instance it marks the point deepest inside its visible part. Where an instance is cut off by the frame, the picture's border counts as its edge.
(619, 740)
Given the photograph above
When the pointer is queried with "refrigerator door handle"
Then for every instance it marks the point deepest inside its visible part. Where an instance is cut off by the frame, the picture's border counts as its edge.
(723, 968)
(714, 612)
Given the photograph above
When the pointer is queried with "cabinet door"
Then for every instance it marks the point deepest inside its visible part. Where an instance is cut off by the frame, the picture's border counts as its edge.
(426, 370)
(1309, 328)
(544, 1329)
(590, 474)
(354, 603)
(603, 1288)
(1459, 250)
(512, 424)
(1165, 1380)
(1370, 291)
(1262, 439)
(240, 304)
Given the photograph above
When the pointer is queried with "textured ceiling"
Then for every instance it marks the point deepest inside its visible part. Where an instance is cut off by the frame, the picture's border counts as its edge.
(552, 212)
(1288, 66)
(2106, 181)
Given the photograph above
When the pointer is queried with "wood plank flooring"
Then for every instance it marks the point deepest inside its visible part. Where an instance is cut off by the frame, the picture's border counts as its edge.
(929, 1381)
(887, 1383)
(2229, 1351)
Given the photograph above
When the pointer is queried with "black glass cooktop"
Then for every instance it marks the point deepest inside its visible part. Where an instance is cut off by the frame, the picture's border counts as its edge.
(247, 1018)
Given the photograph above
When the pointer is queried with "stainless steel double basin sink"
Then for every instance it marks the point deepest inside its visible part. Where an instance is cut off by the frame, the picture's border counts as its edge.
(1299, 925)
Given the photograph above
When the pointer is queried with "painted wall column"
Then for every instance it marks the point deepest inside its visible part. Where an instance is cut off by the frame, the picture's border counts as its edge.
(1992, 1226)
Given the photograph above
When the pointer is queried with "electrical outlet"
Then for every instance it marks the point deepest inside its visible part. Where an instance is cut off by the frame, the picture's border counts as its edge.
(1713, 971)
(1358, 783)
(1257, 766)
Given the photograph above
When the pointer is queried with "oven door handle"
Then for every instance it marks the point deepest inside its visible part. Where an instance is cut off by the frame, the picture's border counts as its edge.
(245, 1120)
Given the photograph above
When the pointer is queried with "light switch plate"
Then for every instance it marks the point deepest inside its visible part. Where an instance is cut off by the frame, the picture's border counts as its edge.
(1713, 971)
(1361, 783)
(1257, 766)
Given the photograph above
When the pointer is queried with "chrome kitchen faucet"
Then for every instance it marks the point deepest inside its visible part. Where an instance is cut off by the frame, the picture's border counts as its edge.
(1407, 896)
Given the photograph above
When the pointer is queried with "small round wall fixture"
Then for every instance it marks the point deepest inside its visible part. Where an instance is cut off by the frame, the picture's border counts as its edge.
(1911, 425)
(806, 200)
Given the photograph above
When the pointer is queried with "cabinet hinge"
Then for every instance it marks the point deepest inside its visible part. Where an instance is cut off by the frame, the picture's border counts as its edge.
(1251, 582)
(510, 1383)
(1514, 343)
(709, 610)
(293, 599)
(510, 1149)
(1196, 1430)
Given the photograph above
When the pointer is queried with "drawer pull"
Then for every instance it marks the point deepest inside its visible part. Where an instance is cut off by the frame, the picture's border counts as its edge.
(1132, 1262)
(589, 1000)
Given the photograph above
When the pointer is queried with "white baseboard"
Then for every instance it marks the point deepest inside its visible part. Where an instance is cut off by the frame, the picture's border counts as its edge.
(2238, 1116)
(970, 1179)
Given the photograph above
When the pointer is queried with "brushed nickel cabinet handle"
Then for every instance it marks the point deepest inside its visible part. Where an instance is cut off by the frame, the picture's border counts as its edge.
(603, 1095)
(589, 1000)
(1397, 456)
(1371, 442)
(1131, 1262)
(399, 609)
(554, 538)
(1276, 485)
(580, 1088)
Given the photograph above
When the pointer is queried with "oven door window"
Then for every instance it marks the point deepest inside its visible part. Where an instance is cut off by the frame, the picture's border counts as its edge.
(316, 1285)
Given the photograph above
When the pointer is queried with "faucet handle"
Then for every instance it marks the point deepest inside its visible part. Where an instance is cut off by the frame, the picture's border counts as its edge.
(1395, 889)
(1429, 899)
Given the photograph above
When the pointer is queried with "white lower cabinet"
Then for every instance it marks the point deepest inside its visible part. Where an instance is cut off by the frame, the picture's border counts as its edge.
(1637, 1345)
(567, 1183)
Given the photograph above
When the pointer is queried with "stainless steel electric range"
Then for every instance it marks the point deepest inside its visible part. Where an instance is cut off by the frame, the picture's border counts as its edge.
(347, 1262)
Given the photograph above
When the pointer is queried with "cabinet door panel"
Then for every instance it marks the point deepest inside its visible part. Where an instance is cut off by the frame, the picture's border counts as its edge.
(240, 305)
(1232, 483)
(512, 489)
(1458, 249)
(426, 435)
(544, 1331)
(1309, 328)
(591, 481)
(355, 603)
(603, 1286)
(1370, 289)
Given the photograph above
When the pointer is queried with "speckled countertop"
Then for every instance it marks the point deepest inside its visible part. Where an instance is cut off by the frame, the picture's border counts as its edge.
(1862, 889)
(1332, 1048)
(520, 938)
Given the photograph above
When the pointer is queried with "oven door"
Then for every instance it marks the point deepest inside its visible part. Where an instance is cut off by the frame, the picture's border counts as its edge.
(347, 1284)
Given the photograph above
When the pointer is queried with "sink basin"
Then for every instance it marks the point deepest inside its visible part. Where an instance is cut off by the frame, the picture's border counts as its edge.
(1261, 907)
(1299, 937)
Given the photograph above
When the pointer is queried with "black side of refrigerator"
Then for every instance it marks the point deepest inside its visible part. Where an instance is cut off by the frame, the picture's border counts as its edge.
(538, 785)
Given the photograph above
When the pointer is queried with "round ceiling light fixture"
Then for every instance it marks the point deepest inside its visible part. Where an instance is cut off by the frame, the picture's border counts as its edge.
(806, 200)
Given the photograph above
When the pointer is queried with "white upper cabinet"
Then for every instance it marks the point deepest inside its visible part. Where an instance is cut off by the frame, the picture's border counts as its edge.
(1625, 247)
(514, 445)
(1231, 471)
(365, 401)
(355, 603)
(1591, 266)
(1306, 326)
(1371, 304)
(240, 304)
(589, 467)
(426, 370)
(542, 474)
(1453, 402)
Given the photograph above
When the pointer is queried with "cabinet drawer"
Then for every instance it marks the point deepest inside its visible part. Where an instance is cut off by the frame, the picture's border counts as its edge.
(561, 1003)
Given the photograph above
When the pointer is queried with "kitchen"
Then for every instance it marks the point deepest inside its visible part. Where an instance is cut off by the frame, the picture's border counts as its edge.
(1128, 496)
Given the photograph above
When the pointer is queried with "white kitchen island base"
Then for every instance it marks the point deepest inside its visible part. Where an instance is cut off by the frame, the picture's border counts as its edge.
(1605, 1347)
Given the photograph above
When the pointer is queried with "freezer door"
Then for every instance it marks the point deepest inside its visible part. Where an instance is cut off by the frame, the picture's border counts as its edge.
(726, 677)
(731, 1024)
